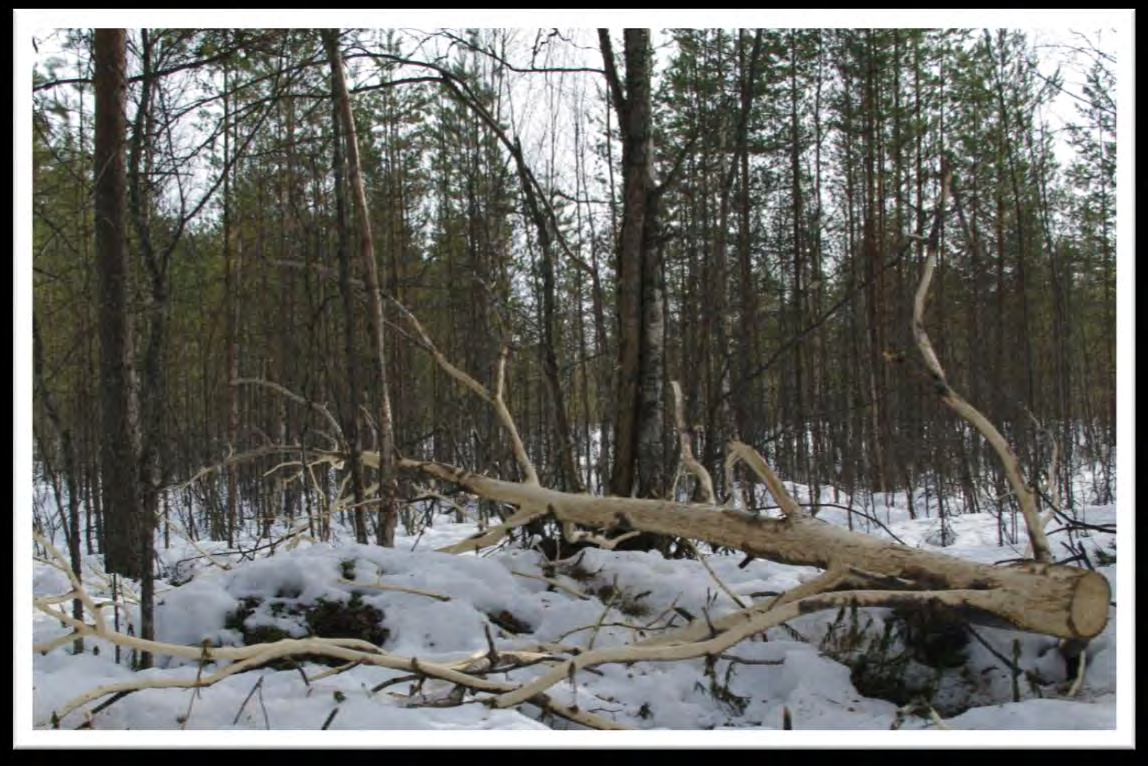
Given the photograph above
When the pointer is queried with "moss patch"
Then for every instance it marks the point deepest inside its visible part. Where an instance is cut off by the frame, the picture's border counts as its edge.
(323, 619)
(350, 619)
(509, 622)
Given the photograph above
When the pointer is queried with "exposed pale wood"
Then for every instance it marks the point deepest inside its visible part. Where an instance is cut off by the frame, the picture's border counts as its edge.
(690, 462)
(466, 673)
(575, 535)
(751, 457)
(1052, 486)
(495, 399)
(1055, 600)
(492, 536)
(721, 637)
(1024, 494)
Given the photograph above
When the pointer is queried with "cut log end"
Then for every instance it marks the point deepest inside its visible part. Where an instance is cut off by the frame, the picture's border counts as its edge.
(1088, 615)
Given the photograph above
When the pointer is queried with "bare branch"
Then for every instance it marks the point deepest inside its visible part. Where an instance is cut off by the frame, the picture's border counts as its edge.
(575, 535)
(747, 625)
(713, 575)
(705, 482)
(612, 79)
(464, 673)
(495, 400)
(1024, 493)
(284, 391)
(503, 62)
(739, 451)
(399, 588)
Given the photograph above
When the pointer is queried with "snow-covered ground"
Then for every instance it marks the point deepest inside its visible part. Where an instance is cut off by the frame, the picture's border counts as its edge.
(441, 608)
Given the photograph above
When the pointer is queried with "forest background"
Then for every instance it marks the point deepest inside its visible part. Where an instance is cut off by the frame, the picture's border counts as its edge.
(802, 358)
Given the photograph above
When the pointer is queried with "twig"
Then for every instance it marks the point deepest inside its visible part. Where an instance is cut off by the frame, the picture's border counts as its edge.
(937, 720)
(399, 588)
(549, 581)
(258, 685)
(329, 672)
(1079, 681)
(713, 575)
(727, 635)
(288, 393)
(597, 627)
(108, 703)
(867, 516)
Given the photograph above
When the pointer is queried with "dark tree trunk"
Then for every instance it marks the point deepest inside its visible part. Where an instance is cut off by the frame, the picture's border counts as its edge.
(120, 424)
(229, 525)
(639, 457)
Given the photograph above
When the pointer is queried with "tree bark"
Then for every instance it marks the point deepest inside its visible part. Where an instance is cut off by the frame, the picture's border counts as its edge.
(639, 426)
(120, 418)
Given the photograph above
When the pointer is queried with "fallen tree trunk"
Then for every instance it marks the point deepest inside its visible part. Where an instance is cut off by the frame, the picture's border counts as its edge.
(1055, 600)
(1036, 596)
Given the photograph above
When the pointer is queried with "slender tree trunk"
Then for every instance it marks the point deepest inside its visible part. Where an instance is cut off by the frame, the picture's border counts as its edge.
(652, 479)
(230, 524)
(388, 475)
(738, 164)
(563, 440)
(68, 454)
(128, 531)
(639, 461)
(153, 388)
(351, 411)
(819, 352)
(874, 276)
(799, 415)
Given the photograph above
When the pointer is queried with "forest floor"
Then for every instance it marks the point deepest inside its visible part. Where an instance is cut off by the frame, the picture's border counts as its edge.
(849, 671)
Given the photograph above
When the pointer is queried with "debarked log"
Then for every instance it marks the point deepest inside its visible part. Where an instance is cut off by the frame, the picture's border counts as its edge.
(1051, 599)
